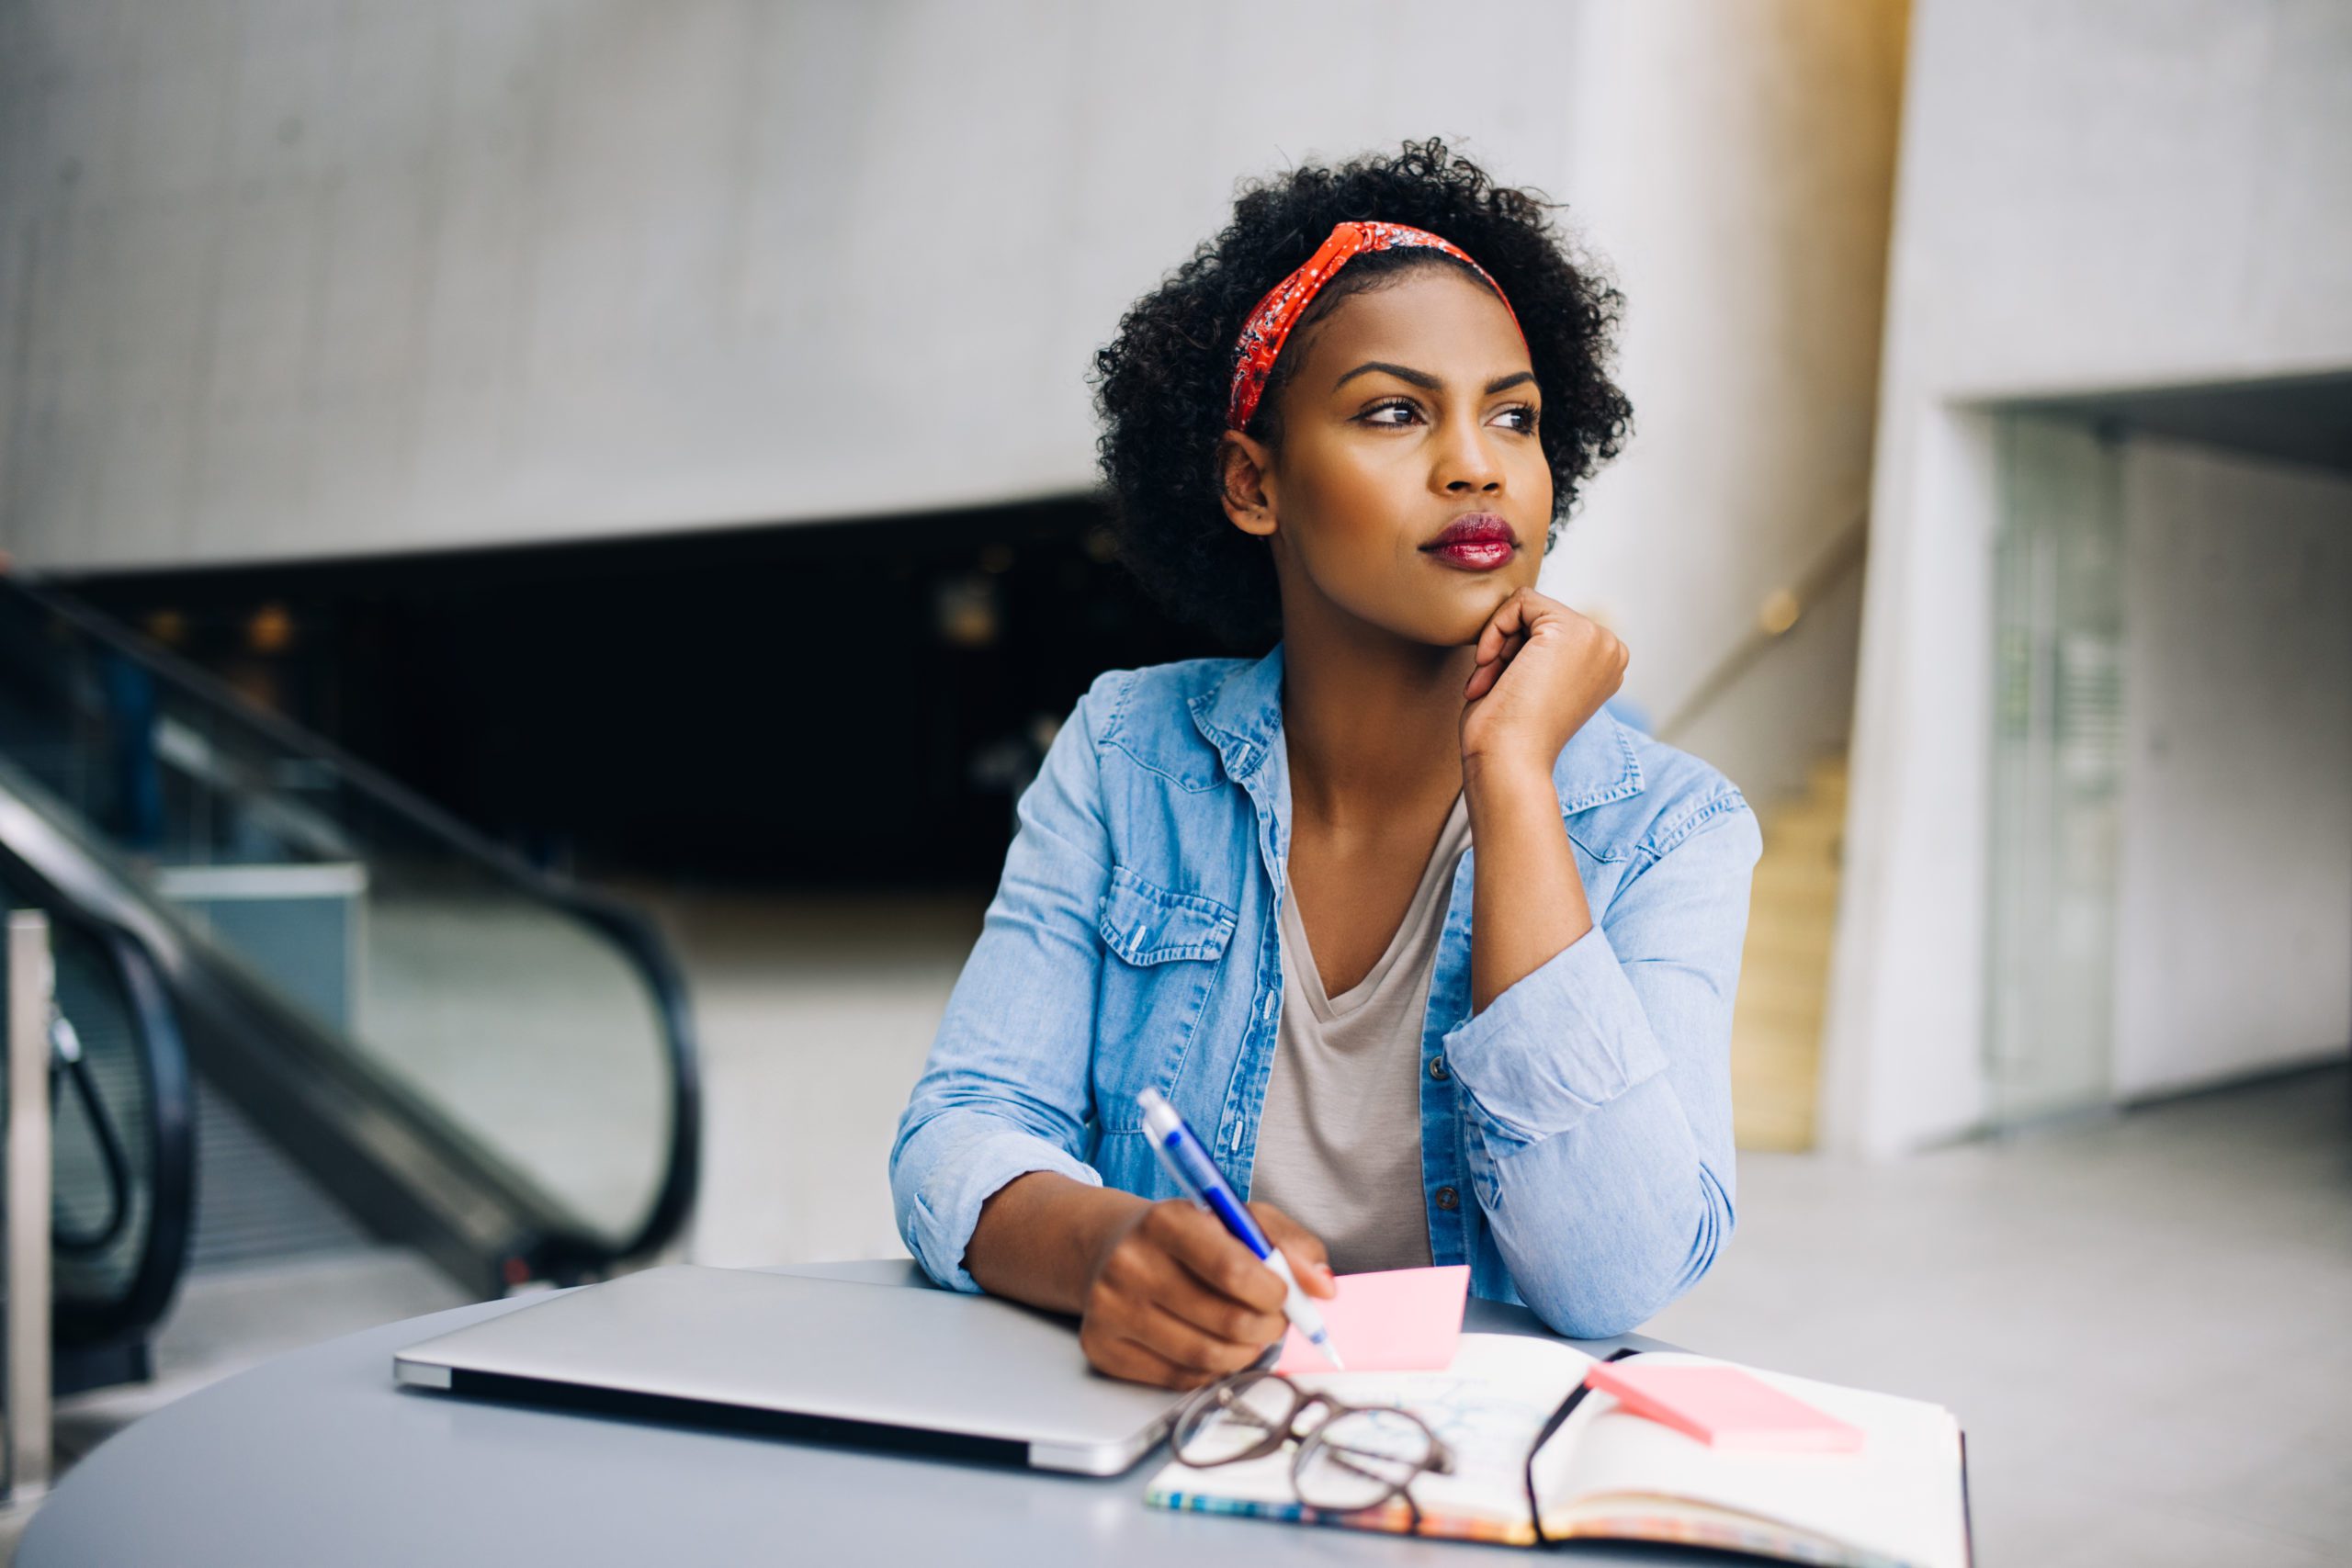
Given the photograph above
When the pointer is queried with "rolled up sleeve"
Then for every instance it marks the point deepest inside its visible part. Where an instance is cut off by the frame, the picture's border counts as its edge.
(1579, 994)
(1599, 1089)
(1006, 1088)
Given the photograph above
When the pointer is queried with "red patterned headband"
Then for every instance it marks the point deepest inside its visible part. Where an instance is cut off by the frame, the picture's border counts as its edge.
(1268, 327)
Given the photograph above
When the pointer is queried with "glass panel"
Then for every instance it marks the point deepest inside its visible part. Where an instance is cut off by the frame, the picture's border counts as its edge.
(2057, 769)
(522, 1026)
(102, 1124)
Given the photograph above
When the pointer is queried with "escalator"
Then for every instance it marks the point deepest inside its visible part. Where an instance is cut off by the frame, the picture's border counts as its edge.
(122, 1142)
(467, 1057)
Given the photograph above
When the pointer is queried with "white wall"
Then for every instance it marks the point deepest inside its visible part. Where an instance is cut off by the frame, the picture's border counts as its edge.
(284, 280)
(1737, 163)
(2092, 194)
(2233, 939)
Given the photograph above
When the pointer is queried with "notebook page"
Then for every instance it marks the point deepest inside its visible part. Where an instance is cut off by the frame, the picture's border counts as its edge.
(1487, 1406)
(1898, 1499)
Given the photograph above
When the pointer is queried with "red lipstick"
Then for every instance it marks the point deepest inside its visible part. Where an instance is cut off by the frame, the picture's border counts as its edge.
(1476, 541)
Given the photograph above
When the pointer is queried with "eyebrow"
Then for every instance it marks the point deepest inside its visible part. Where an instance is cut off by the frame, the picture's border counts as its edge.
(1424, 380)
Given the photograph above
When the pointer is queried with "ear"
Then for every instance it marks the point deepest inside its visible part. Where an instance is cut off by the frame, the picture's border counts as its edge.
(1245, 483)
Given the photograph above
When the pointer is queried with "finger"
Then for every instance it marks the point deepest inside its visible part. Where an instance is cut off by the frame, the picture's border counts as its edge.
(1499, 627)
(1183, 1343)
(1181, 1294)
(1211, 1253)
(1507, 630)
(1529, 611)
(1308, 1264)
(1120, 1356)
(1236, 1278)
(1507, 617)
(1120, 1336)
(1309, 1259)
(1483, 678)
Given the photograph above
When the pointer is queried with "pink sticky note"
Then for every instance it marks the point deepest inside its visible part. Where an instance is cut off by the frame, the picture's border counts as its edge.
(1723, 1407)
(1400, 1320)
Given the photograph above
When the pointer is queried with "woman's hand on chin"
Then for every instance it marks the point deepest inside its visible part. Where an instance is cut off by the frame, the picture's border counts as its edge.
(1543, 671)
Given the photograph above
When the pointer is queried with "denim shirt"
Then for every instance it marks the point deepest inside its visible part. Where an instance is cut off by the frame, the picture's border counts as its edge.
(1575, 1133)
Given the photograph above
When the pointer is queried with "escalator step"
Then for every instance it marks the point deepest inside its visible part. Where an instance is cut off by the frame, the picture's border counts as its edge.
(252, 1204)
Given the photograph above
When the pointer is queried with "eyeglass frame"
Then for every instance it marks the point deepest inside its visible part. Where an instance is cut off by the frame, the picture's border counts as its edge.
(1439, 1461)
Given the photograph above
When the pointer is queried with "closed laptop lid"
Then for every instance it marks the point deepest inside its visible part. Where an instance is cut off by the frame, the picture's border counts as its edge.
(876, 1356)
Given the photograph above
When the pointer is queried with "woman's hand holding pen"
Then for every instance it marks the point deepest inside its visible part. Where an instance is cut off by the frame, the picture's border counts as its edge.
(1175, 1300)
(1164, 1291)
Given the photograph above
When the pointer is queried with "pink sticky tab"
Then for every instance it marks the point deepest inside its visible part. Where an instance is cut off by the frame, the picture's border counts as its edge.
(1723, 1407)
(1400, 1320)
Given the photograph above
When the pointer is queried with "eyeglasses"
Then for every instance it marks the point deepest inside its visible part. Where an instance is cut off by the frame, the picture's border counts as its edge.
(1350, 1457)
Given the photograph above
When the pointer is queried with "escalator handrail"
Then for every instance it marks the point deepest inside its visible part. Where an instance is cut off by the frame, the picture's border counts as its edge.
(621, 924)
(171, 1224)
(680, 1175)
(171, 1205)
(498, 1218)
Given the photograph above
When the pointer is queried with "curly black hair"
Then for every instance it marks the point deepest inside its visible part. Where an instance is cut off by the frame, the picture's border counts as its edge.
(1161, 385)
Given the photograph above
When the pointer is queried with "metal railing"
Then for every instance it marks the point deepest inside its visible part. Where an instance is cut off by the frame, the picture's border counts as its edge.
(1776, 617)
(25, 1162)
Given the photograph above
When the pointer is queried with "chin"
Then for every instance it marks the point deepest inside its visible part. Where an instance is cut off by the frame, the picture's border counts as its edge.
(1459, 627)
(1441, 619)
(1486, 597)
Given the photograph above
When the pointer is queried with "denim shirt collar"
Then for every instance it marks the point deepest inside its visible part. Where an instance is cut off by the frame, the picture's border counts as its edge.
(1242, 715)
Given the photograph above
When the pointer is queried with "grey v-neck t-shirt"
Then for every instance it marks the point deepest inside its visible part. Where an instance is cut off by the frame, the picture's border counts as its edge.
(1339, 1137)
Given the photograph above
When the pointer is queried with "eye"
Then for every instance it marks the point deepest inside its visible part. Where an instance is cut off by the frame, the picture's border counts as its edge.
(1525, 416)
(1394, 405)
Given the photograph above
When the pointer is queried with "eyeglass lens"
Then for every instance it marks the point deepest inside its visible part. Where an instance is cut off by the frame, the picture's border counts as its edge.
(1235, 1420)
(1360, 1458)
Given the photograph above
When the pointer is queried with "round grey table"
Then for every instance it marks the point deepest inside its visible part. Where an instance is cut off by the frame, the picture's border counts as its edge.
(317, 1458)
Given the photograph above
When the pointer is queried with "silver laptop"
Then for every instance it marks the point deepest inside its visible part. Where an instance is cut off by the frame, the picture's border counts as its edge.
(935, 1370)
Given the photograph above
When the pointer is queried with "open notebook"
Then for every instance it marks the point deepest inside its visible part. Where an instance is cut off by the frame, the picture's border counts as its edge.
(1608, 1473)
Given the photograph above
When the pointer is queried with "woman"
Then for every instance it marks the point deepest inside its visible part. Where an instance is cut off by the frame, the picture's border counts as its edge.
(1436, 955)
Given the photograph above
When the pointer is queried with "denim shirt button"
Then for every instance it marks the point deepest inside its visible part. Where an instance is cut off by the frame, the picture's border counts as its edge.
(1437, 1069)
(1447, 1199)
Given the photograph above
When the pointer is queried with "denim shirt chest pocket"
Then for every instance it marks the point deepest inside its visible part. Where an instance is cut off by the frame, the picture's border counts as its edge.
(1162, 952)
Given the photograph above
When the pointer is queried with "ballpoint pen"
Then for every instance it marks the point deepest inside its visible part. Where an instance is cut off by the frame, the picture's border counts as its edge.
(1181, 1151)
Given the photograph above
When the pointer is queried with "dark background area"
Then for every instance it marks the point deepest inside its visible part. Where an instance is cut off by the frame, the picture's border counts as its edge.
(826, 705)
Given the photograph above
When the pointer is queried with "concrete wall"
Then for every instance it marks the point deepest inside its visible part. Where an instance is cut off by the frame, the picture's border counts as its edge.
(1792, 707)
(1737, 162)
(285, 280)
(2092, 194)
(2234, 937)
(300, 280)
(316, 280)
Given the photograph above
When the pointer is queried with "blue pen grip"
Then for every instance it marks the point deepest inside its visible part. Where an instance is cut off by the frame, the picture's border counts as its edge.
(1236, 1219)
(1195, 1169)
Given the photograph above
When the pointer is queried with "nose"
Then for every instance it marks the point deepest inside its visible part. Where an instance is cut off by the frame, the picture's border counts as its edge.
(1466, 460)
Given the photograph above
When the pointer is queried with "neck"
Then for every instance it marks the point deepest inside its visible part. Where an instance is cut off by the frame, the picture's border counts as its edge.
(1371, 720)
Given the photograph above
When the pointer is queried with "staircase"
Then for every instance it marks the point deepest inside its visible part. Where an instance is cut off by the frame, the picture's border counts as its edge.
(1784, 968)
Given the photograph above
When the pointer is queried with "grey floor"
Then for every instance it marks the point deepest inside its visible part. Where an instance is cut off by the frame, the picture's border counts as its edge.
(814, 1016)
(2140, 1319)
